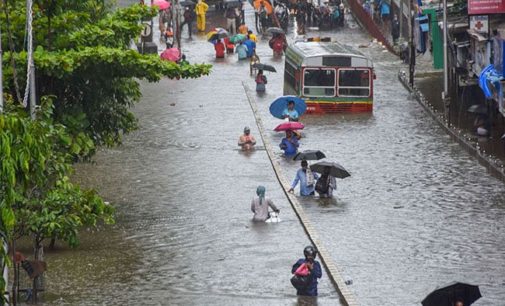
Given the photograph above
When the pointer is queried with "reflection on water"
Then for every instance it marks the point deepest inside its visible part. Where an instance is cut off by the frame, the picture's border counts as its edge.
(416, 213)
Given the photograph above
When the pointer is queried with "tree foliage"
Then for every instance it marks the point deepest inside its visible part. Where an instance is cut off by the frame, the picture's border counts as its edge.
(83, 58)
(88, 77)
(36, 196)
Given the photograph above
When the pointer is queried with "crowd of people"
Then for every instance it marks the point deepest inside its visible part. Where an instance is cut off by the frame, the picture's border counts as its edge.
(306, 270)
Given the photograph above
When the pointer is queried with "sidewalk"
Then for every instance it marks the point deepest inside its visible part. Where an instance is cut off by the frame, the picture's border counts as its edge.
(428, 86)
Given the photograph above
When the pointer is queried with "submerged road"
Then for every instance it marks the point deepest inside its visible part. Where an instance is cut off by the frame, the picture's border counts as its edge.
(416, 213)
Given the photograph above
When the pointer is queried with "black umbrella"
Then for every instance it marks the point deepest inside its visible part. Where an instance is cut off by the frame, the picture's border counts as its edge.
(449, 294)
(336, 170)
(265, 67)
(233, 3)
(309, 155)
(186, 2)
(275, 30)
(478, 109)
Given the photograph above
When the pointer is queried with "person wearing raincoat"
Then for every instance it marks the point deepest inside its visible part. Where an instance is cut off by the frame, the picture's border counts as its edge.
(200, 10)
(259, 205)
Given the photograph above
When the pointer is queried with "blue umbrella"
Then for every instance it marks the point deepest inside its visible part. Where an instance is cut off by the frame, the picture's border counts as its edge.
(280, 104)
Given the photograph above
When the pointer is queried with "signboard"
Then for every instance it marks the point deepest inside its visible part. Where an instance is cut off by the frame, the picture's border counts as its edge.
(479, 23)
(146, 31)
(480, 7)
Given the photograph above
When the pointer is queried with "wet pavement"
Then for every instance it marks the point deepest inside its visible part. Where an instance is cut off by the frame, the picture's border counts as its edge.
(417, 212)
(432, 85)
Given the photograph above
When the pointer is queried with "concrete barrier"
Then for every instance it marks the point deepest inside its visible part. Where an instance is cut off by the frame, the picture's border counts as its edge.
(346, 296)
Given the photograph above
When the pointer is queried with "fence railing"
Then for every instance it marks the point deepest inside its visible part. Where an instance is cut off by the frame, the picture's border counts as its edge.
(369, 24)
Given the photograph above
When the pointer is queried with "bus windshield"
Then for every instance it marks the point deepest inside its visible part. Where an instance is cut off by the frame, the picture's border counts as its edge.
(319, 82)
(354, 82)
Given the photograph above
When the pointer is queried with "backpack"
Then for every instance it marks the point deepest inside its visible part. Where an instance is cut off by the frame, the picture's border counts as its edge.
(322, 184)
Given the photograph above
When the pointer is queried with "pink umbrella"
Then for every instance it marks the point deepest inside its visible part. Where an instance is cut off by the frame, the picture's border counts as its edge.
(172, 54)
(162, 4)
(291, 125)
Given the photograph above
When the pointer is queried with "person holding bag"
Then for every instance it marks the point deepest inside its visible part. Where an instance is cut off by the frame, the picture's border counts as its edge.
(259, 205)
(306, 272)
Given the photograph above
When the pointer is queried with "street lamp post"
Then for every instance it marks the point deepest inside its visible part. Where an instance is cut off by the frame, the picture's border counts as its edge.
(412, 51)
(400, 16)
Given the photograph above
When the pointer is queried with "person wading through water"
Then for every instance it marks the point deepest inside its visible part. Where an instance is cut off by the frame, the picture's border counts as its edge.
(259, 205)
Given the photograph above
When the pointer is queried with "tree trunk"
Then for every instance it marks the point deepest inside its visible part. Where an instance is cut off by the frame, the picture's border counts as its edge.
(52, 243)
(38, 255)
(15, 279)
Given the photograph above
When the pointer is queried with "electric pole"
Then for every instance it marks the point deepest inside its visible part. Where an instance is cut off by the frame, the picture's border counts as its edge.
(445, 93)
(412, 51)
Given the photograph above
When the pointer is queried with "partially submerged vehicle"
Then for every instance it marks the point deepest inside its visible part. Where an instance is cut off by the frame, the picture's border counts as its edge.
(329, 76)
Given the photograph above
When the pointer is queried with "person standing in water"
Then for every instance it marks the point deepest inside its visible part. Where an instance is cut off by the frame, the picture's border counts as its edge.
(326, 184)
(247, 141)
(259, 205)
(290, 112)
(289, 144)
(314, 268)
(200, 10)
(306, 178)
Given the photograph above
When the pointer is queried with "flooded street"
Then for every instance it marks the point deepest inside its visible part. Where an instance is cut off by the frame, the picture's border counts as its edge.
(418, 211)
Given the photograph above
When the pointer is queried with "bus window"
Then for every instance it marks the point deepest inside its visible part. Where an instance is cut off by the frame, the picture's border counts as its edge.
(289, 75)
(354, 82)
(319, 82)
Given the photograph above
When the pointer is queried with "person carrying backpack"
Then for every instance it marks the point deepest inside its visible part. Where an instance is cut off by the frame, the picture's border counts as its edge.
(326, 184)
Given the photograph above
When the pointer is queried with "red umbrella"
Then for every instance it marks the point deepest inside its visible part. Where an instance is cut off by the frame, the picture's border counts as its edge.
(291, 125)
(172, 54)
(162, 4)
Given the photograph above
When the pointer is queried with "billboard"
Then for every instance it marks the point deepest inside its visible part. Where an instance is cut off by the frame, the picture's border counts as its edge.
(481, 7)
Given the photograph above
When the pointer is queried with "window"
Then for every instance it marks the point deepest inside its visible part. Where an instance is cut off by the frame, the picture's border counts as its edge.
(289, 75)
(319, 82)
(354, 82)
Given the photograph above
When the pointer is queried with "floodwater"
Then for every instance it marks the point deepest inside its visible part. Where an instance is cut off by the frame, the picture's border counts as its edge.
(417, 212)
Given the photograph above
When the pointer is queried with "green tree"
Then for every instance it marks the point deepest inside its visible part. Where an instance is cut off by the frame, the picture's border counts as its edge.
(36, 197)
(85, 64)
(83, 58)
